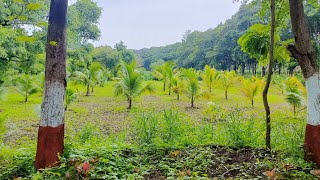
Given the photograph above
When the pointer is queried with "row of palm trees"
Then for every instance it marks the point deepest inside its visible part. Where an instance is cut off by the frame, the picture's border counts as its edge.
(189, 81)
(130, 83)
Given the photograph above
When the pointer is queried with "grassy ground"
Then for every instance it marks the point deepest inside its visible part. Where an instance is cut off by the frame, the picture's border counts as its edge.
(106, 118)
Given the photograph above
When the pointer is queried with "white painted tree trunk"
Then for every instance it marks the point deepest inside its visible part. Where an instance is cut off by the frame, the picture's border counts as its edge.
(313, 91)
(52, 110)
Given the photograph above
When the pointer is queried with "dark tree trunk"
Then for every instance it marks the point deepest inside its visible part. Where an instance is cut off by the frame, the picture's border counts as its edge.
(92, 89)
(263, 71)
(192, 102)
(88, 90)
(226, 94)
(129, 103)
(243, 67)
(306, 56)
(164, 86)
(51, 129)
(270, 68)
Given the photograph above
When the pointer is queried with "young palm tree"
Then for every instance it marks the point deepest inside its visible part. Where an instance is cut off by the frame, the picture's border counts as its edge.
(102, 77)
(130, 83)
(178, 85)
(26, 86)
(164, 73)
(88, 76)
(209, 76)
(294, 97)
(192, 84)
(227, 80)
(250, 89)
(71, 96)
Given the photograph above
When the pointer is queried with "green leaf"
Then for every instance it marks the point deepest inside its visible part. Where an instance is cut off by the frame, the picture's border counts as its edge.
(34, 6)
(23, 18)
(26, 38)
(19, 1)
(53, 43)
(42, 24)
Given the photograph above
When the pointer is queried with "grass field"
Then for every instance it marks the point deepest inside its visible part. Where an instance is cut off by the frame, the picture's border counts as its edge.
(102, 121)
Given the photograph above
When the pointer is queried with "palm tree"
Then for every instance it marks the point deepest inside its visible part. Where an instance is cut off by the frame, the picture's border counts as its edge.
(192, 84)
(250, 89)
(209, 76)
(71, 96)
(130, 83)
(164, 73)
(26, 86)
(227, 80)
(88, 76)
(102, 77)
(178, 85)
(294, 97)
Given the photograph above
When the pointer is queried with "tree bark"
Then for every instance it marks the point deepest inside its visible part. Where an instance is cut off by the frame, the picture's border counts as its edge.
(88, 90)
(129, 103)
(306, 56)
(51, 129)
(243, 67)
(192, 102)
(270, 68)
(226, 94)
(263, 71)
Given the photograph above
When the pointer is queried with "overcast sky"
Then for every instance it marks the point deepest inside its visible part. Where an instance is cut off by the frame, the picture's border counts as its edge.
(147, 23)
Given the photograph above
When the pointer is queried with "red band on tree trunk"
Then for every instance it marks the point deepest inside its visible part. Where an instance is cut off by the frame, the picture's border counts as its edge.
(50, 144)
(312, 144)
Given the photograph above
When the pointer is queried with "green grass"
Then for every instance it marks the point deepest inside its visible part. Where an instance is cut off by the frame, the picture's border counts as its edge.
(102, 120)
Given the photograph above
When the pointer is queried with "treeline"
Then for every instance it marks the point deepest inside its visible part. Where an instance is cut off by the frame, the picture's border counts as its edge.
(218, 47)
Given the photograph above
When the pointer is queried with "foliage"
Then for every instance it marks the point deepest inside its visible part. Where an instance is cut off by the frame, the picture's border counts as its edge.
(88, 76)
(294, 97)
(251, 88)
(70, 97)
(209, 76)
(227, 80)
(130, 83)
(192, 84)
(26, 86)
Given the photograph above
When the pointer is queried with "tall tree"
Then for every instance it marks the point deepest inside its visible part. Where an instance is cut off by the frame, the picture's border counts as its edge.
(266, 88)
(51, 129)
(304, 52)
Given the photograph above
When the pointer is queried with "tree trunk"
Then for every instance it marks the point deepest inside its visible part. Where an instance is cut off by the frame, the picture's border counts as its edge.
(252, 102)
(192, 102)
(129, 103)
(263, 71)
(51, 129)
(306, 56)
(243, 66)
(92, 89)
(164, 86)
(226, 94)
(270, 68)
(178, 97)
(88, 90)
(26, 99)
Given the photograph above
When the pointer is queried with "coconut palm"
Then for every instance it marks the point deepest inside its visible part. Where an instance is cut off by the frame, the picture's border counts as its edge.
(178, 85)
(71, 96)
(294, 97)
(192, 84)
(26, 86)
(209, 76)
(250, 89)
(130, 83)
(102, 77)
(164, 73)
(227, 80)
(88, 76)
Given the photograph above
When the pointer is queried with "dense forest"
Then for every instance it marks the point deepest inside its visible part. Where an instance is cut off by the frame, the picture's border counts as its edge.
(218, 47)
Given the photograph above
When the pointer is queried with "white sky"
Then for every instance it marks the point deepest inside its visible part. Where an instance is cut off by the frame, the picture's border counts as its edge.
(147, 23)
